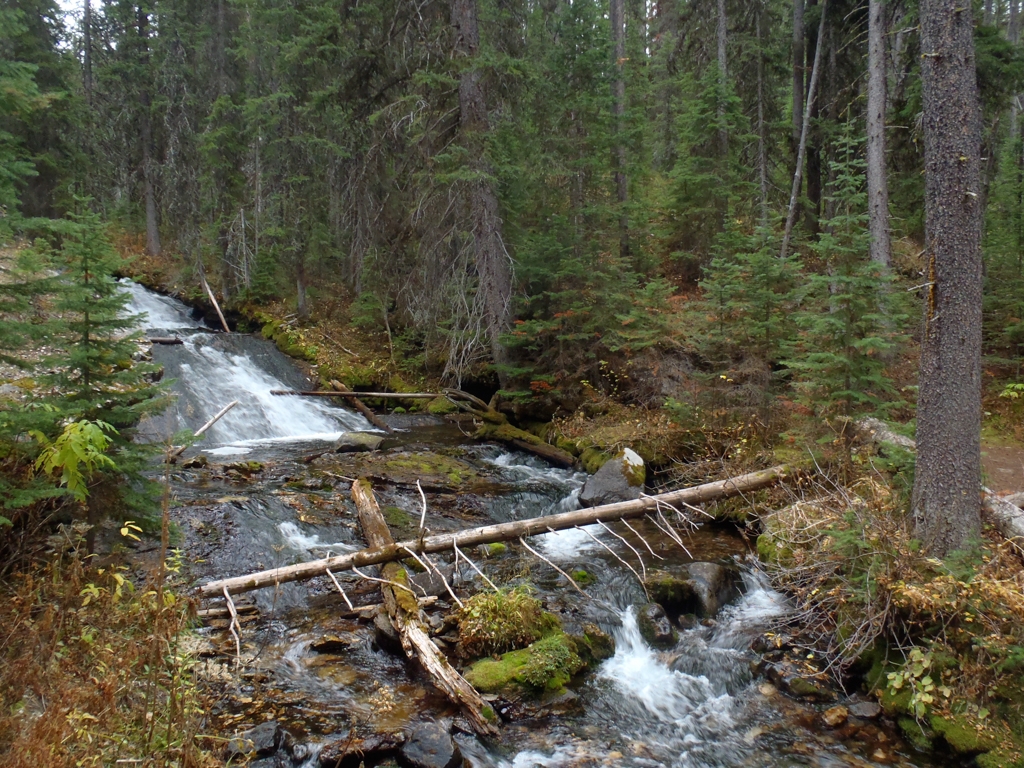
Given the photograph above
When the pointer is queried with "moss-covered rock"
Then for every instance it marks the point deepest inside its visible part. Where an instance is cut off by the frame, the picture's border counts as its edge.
(593, 458)
(963, 737)
(583, 578)
(494, 622)
(441, 406)
(496, 549)
(290, 341)
(545, 665)
(918, 734)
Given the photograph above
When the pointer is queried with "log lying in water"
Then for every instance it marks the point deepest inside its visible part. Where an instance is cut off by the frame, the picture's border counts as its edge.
(360, 406)
(489, 534)
(332, 393)
(404, 611)
(164, 340)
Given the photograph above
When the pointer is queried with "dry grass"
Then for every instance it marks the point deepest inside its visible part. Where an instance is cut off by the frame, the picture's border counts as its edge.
(94, 672)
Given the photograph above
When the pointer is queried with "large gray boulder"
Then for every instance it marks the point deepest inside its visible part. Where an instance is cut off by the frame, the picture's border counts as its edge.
(620, 479)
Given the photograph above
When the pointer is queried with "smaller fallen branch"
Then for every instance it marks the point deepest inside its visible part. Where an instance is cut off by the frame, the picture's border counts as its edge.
(164, 340)
(199, 432)
(360, 406)
(216, 306)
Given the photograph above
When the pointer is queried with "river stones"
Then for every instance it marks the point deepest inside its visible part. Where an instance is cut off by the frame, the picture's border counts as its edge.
(384, 635)
(866, 710)
(620, 479)
(262, 741)
(655, 627)
(430, 745)
(835, 716)
(350, 751)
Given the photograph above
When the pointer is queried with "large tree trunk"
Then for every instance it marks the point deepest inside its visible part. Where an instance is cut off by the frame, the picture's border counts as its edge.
(493, 265)
(798, 75)
(721, 36)
(146, 137)
(801, 151)
(762, 142)
(617, 16)
(947, 485)
(87, 51)
(488, 534)
(878, 188)
(406, 617)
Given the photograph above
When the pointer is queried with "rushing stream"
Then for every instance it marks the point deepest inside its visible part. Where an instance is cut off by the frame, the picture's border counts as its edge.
(697, 704)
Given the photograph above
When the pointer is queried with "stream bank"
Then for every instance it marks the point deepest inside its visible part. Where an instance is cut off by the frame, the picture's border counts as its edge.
(328, 679)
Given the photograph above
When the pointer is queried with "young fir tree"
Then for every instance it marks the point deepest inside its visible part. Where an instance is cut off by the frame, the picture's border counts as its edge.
(850, 321)
(89, 393)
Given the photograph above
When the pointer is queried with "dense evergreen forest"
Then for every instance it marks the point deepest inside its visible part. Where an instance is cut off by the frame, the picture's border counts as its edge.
(757, 220)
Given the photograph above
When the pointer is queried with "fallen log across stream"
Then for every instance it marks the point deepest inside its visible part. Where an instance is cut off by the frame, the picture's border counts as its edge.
(404, 611)
(489, 534)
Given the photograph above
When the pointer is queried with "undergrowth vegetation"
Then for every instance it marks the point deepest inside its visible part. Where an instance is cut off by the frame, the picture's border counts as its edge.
(95, 671)
(941, 643)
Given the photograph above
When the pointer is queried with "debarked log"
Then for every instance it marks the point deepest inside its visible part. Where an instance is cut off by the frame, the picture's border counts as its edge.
(405, 615)
(489, 534)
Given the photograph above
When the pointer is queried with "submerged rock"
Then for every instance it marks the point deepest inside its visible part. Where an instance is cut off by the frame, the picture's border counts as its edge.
(545, 665)
(619, 479)
(655, 627)
(430, 745)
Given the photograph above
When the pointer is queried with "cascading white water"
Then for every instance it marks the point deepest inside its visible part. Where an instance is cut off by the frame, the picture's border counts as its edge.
(161, 312)
(211, 370)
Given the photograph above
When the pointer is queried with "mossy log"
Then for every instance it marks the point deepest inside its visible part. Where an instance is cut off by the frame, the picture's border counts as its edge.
(404, 612)
(489, 534)
(497, 428)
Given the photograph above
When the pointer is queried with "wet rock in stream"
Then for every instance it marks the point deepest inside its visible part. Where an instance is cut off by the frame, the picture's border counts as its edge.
(262, 741)
(697, 588)
(352, 750)
(655, 626)
(430, 745)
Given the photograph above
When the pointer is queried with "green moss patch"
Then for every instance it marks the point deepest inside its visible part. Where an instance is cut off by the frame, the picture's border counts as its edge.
(546, 665)
(493, 622)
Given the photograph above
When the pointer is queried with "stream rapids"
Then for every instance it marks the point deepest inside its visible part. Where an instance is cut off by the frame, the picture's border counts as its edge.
(272, 493)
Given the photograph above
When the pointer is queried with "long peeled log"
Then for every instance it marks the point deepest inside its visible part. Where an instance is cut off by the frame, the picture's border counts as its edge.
(489, 534)
(404, 612)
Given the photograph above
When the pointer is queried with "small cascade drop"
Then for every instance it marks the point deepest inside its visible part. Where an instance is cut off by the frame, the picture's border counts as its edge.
(209, 370)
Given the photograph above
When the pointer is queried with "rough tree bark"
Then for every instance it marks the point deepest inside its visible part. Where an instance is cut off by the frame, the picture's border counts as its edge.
(947, 486)
(617, 17)
(493, 265)
(721, 36)
(878, 188)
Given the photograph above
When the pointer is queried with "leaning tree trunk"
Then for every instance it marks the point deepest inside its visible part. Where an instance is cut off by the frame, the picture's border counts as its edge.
(878, 188)
(493, 265)
(947, 484)
(798, 75)
(801, 151)
(617, 16)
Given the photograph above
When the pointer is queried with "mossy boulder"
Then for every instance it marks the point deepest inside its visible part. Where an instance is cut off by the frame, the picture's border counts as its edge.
(963, 737)
(441, 406)
(655, 627)
(545, 665)
(593, 458)
(620, 479)
(494, 622)
(698, 588)
(919, 735)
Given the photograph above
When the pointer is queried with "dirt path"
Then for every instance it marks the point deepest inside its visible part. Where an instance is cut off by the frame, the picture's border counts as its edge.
(1003, 465)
